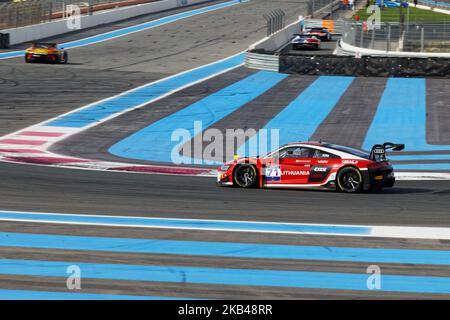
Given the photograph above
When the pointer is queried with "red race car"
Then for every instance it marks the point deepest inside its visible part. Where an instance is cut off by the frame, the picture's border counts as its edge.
(313, 165)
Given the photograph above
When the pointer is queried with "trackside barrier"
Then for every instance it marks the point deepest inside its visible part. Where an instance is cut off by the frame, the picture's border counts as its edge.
(4, 40)
(262, 61)
(263, 54)
(278, 39)
(49, 29)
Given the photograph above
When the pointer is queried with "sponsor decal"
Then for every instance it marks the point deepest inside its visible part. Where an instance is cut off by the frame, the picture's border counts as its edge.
(379, 151)
(322, 161)
(273, 173)
(302, 161)
(319, 173)
(295, 173)
(350, 161)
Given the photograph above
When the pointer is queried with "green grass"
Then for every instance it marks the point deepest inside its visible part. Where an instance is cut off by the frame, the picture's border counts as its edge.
(415, 15)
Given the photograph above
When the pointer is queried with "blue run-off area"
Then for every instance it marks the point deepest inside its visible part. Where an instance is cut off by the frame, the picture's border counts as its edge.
(299, 120)
(143, 95)
(70, 295)
(296, 122)
(196, 224)
(226, 249)
(132, 29)
(221, 276)
(157, 141)
(401, 118)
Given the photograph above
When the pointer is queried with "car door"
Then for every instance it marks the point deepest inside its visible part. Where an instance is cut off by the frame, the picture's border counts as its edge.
(321, 165)
(295, 165)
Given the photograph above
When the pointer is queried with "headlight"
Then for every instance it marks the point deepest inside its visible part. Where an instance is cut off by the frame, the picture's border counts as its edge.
(225, 167)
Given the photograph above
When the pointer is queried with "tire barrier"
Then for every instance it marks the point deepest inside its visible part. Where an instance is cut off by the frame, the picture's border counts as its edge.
(4, 40)
(365, 66)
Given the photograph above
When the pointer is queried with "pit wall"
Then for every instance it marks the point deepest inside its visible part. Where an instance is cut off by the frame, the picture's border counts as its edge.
(53, 28)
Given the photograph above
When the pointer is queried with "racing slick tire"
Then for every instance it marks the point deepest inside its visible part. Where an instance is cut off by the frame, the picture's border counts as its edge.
(350, 180)
(65, 58)
(245, 176)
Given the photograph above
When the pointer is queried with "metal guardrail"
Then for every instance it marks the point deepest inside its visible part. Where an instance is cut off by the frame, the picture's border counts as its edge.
(262, 61)
(430, 37)
(276, 20)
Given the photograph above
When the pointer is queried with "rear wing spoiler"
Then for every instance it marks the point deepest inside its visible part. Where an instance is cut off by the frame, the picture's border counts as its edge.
(379, 150)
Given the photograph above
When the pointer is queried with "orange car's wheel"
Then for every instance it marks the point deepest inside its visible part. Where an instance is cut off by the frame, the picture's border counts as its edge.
(65, 58)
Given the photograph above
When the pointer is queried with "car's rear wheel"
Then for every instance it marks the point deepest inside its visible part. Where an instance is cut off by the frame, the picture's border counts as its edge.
(245, 176)
(350, 180)
(65, 58)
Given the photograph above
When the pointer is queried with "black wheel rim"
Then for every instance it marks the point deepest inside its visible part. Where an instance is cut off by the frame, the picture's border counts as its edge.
(245, 176)
(350, 181)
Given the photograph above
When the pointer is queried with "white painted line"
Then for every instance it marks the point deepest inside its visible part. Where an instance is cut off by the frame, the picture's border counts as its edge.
(404, 232)
(408, 176)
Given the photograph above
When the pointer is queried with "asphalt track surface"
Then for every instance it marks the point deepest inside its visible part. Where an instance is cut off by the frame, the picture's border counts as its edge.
(24, 102)
(28, 92)
(33, 188)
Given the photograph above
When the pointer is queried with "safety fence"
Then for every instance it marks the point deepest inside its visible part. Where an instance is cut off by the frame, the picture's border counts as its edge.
(28, 12)
(425, 37)
(323, 8)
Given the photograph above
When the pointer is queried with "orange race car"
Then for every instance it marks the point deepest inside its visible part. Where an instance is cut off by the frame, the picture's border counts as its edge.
(45, 52)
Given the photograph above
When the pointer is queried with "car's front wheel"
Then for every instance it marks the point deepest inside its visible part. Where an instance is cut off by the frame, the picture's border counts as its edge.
(350, 180)
(245, 176)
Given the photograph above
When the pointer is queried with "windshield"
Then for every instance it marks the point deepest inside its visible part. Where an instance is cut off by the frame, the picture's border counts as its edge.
(353, 151)
(44, 45)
